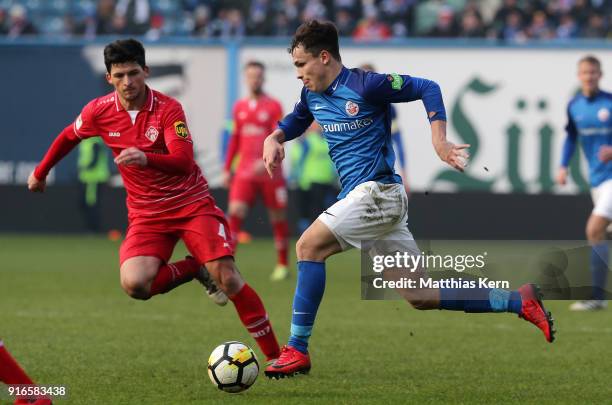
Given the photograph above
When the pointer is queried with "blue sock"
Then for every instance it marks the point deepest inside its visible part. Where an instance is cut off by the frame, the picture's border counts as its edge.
(480, 300)
(599, 270)
(308, 295)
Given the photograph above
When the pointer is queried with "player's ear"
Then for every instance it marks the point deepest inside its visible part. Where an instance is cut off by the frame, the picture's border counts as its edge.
(324, 55)
(146, 70)
(108, 78)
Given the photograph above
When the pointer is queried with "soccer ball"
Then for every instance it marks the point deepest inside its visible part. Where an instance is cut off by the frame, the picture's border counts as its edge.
(233, 367)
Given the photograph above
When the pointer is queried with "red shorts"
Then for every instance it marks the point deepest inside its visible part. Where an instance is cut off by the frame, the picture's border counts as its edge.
(273, 191)
(206, 235)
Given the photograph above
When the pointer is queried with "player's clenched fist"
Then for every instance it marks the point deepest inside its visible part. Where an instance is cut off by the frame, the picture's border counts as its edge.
(605, 153)
(455, 155)
(35, 185)
(131, 157)
(273, 151)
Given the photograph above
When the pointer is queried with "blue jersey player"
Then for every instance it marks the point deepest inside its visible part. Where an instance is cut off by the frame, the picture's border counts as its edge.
(589, 120)
(352, 108)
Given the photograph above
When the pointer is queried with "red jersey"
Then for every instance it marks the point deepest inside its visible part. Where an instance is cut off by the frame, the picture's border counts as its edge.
(254, 120)
(161, 121)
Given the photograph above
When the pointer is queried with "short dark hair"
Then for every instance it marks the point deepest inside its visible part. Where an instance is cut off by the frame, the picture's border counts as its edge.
(124, 51)
(590, 59)
(254, 63)
(316, 36)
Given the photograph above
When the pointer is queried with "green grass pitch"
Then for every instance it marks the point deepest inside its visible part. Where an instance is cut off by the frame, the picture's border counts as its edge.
(65, 317)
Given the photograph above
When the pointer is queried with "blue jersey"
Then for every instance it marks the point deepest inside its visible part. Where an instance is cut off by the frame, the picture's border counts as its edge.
(355, 116)
(589, 119)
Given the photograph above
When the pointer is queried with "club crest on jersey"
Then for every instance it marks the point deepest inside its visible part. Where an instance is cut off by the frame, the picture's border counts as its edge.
(351, 108)
(181, 129)
(603, 114)
(152, 134)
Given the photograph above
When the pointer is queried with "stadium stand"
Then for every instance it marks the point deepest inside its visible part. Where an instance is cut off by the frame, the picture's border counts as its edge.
(364, 20)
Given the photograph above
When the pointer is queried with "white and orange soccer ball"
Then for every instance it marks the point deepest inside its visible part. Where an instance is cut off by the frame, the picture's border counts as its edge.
(233, 367)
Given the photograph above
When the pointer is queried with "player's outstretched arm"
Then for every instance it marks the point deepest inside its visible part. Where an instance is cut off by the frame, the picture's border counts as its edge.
(61, 146)
(273, 150)
(454, 155)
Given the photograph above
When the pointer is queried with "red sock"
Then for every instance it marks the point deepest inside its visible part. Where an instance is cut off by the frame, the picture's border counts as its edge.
(254, 317)
(280, 229)
(172, 275)
(10, 372)
(235, 224)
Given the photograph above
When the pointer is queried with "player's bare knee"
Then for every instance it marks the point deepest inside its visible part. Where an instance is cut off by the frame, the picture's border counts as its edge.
(306, 248)
(418, 303)
(595, 233)
(238, 209)
(137, 275)
(418, 299)
(232, 282)
(136, 288)
(226, 275)
(300, 247)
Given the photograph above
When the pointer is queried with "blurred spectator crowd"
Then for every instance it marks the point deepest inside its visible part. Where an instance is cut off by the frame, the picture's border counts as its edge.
(366, 20)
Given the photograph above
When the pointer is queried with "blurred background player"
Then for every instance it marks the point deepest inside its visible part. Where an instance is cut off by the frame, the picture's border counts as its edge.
(255, 116)
(589, 119)
(93, 174)
(167, 195)
(12, 374)
(314, 174)
(351, 105)
(396, 137)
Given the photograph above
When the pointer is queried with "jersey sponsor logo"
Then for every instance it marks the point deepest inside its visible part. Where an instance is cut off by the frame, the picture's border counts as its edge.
(114, 134)
(152, 134)
(396, 81)
(351, 108)
(591, 131)
(181, 129)
(79, 122)
(603, 114)
(346, 126)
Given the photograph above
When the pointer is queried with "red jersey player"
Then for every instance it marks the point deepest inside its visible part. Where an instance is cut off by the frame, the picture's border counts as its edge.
(254, 117)
(167, 195)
